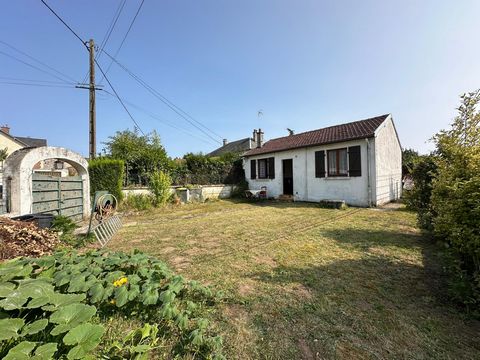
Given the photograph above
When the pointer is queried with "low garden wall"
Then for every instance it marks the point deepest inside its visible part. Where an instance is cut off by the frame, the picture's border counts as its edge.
(195, 193)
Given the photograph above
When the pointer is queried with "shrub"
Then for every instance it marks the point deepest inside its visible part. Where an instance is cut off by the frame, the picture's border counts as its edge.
(160, 183)
(138, 202)
(106, 174)
(418, 199)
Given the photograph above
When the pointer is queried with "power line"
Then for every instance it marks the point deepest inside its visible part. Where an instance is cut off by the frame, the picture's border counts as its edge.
(38, 61)
(34, 80)
(167, 102)
(96, 62)
(108, 33)
(41, 85)
(33, 66)
(118, 97)
(64, 23)
(158, 118)
(125, 37)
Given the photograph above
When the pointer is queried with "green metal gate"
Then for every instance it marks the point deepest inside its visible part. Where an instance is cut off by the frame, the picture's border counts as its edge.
(58, 195)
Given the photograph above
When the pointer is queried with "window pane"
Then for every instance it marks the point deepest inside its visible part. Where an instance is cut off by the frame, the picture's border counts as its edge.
(332, 163)
(342, 154)
(262, 169)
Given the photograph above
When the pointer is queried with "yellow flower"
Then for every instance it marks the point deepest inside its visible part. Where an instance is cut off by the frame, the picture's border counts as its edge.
(112, 301)
(120, 282)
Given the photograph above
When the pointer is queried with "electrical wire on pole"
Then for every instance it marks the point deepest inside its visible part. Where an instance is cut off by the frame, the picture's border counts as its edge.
(183, 114)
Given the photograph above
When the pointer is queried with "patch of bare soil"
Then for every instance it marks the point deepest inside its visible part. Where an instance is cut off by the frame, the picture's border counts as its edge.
(302, 291)
(265, 260)
(18, 238)
(307, 353)
(168, 250)
(246, 288)
(180, 262)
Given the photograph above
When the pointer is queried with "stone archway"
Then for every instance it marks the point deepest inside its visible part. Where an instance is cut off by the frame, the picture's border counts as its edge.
(18, 170)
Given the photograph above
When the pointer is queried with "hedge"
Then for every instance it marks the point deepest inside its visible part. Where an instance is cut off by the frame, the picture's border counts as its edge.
(106, 174)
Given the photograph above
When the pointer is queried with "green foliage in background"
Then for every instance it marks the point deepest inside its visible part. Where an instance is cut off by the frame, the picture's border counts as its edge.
(423, 172)
(56, 307)
(141, 154)
(159, 184)
(201, 169)
(138, 202)
(409, 158)
(106, 174)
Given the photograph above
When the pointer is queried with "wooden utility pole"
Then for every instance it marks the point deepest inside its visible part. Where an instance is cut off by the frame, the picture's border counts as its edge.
(92, 122)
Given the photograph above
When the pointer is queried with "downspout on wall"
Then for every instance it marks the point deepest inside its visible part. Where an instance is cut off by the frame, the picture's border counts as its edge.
(369, 187)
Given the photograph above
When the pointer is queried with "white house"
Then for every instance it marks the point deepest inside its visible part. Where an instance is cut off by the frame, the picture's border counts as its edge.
(358, 162)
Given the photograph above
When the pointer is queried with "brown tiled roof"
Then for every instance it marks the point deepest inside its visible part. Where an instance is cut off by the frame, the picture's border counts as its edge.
(332, 134)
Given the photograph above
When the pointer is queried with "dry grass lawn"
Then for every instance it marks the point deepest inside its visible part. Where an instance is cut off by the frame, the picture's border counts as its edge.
(302, 282)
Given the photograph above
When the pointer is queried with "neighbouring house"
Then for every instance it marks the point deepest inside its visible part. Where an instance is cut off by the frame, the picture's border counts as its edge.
(358, 162)
(239, 147)
(13, 143)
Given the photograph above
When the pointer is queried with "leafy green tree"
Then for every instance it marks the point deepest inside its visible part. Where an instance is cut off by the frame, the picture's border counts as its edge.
(3, 154)
(409, 158)
(142, 154)
(456, 195)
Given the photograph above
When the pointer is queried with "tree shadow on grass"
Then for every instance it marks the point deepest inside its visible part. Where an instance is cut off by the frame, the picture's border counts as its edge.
(378, 305)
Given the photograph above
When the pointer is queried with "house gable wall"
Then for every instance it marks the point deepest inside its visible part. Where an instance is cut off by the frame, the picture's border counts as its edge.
(7, 142)
(388, 159)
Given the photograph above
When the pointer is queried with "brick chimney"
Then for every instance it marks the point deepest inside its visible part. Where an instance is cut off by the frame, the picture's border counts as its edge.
(5, 128)
(260, 138)
(225, 142)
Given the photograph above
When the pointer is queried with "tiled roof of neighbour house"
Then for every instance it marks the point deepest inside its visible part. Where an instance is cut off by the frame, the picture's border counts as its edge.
(332, 134)
(238, 146)
(31, 142)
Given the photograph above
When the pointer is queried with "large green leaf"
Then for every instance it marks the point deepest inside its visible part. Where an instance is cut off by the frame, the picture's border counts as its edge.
(34, 327)
(14, 269)
(121, 296)
(6, 288)
(21, 351)
(45, 352)
(15, 300)
(58, 300)
(150, 296)
(85, 337)
(96, 292)
(71, 315)
(9, 328)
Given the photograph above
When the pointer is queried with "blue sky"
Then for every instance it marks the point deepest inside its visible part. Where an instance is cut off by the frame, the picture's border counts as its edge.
(306, 64)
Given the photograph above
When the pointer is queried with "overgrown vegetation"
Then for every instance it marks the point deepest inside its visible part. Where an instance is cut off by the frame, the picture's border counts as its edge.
(57, 306)
(139, 202)
(159, 184)
(106, 174)
(447, 198)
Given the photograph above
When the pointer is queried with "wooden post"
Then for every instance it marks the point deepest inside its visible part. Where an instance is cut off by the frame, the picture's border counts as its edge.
(92, 120)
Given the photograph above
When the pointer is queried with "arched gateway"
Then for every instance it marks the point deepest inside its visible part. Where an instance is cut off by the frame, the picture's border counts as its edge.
(28, 192)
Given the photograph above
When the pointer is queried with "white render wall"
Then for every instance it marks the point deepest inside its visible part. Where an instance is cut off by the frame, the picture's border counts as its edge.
(306, 187)
(388, 157)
